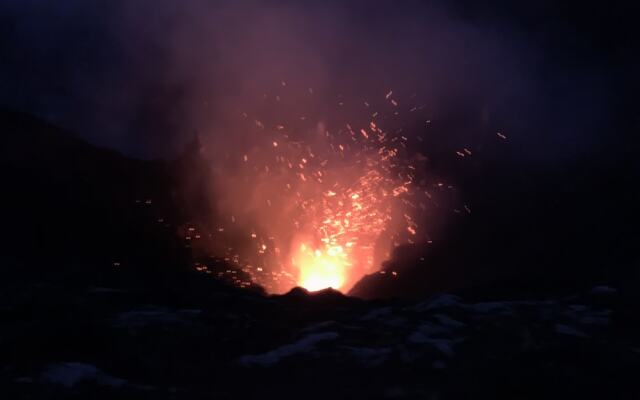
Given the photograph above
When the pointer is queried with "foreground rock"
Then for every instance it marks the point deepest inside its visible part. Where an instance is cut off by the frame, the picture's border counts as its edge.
(225, 343)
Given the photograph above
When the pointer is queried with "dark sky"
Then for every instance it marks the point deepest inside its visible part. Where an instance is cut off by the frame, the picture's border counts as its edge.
(142, 76)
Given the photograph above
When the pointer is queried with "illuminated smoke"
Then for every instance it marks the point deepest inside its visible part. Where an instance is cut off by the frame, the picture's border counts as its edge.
(263, 82)
(322, 204)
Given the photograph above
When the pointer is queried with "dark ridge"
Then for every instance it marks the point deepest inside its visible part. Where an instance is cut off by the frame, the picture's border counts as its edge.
(545, 230)
(78, 213)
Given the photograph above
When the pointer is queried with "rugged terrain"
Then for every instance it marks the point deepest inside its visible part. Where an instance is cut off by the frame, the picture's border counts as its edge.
(204, 340)
(99, 297)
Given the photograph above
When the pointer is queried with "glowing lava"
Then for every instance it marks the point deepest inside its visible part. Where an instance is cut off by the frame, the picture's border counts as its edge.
(318, 201)
(320, 269)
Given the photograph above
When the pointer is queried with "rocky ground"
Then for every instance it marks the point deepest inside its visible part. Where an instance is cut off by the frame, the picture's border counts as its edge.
(98, 297)
(212, 341)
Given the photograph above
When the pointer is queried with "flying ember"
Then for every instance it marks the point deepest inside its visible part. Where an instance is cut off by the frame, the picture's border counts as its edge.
(320, 202)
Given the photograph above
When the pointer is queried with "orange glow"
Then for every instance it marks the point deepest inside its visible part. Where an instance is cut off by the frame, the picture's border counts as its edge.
(321, 203)
(320, 269)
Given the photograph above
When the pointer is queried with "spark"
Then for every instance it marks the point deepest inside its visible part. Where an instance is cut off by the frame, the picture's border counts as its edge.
(327, 200)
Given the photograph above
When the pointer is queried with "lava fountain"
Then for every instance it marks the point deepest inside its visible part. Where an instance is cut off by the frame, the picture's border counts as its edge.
(320, 269)
(316, 204)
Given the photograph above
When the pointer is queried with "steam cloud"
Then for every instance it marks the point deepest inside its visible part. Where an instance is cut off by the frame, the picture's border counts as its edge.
(144, 76)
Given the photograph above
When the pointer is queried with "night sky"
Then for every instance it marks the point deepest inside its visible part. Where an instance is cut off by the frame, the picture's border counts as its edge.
(142, 77)
(289, 199)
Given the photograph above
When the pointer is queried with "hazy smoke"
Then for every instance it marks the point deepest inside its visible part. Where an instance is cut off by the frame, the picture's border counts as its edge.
(143, 76)
(146, 76)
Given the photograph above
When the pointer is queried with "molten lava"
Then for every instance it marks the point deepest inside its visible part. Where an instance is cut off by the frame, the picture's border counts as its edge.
(318, 203)
(320, 269)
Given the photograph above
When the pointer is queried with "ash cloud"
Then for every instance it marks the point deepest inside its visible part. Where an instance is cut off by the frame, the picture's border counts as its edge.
(146, 77)
(142, 77)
